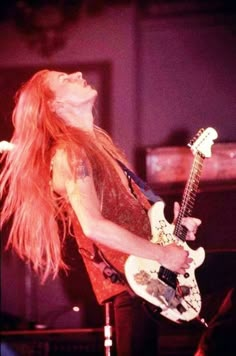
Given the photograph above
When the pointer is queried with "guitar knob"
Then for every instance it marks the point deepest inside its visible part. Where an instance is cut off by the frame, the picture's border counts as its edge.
(186, 275)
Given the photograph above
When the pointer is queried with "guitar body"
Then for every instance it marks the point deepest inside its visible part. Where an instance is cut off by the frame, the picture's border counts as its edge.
(142, 274)
(177, 295)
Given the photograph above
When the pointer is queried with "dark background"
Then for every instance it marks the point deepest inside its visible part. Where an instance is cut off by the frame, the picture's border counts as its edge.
(154, 91)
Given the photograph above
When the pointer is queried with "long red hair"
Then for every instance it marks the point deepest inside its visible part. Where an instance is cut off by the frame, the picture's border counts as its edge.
(25, 178)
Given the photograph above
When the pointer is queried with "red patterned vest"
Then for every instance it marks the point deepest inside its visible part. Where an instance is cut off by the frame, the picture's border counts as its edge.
(126, 211)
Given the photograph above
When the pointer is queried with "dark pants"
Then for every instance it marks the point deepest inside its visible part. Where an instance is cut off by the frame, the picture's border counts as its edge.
(136, 331)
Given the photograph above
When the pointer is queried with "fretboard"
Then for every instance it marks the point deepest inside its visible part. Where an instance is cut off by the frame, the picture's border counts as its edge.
(189, 196)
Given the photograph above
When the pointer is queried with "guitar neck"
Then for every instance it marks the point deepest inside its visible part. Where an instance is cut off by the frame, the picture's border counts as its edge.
(189, 196)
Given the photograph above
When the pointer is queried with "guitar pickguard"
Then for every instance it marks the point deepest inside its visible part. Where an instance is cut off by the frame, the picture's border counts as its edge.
(161, 235)
(156, 288)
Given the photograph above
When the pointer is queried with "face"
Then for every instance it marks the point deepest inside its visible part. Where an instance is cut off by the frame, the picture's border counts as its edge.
(71, 88)
(73, 98)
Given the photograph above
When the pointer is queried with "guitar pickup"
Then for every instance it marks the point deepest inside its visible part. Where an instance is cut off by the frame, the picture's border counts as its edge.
(168, 277)
(181, 309)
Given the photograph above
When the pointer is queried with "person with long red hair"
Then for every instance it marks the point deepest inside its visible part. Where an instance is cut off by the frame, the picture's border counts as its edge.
(63, 174)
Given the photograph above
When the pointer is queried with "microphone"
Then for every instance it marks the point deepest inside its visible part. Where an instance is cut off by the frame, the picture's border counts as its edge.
(6, 146)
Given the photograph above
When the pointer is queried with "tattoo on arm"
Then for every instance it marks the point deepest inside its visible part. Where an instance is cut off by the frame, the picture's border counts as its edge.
(81, 169)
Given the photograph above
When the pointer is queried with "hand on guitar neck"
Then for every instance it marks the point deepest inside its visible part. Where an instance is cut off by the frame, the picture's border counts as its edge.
(190, 223)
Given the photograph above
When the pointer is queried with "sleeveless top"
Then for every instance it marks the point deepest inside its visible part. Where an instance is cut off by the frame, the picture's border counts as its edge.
(126, 210)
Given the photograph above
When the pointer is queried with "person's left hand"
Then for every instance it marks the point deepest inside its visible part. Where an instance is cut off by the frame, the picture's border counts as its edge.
(190, 223)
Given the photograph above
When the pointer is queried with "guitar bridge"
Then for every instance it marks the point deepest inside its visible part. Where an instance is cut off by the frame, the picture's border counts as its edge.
(168, 277)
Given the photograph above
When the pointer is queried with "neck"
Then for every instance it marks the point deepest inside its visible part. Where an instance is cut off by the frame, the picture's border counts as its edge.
(80, 118)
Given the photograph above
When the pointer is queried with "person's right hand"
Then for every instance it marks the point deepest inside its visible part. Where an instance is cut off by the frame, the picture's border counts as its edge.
(175, 258)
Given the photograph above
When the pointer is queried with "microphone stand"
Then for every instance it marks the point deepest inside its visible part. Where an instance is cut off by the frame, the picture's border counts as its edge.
(108, 329)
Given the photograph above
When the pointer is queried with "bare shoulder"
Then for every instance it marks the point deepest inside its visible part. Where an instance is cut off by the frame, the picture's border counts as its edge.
(65, 167)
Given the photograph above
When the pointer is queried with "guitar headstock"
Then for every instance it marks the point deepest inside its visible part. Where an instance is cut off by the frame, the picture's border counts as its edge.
(202, 141)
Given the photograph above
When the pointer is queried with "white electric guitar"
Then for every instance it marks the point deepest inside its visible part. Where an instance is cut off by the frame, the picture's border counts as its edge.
(177, 295)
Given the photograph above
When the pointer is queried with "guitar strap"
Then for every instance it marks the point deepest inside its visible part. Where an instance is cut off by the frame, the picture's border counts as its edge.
(144, 187)
(99, 259)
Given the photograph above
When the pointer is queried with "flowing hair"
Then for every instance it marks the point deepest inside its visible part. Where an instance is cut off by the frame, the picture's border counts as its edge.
(28, 201)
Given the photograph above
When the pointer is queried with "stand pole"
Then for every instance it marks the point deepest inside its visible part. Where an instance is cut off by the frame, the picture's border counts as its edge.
(108, 329)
